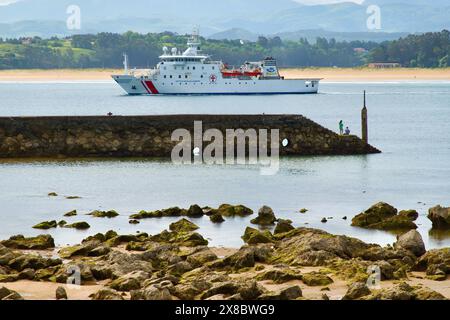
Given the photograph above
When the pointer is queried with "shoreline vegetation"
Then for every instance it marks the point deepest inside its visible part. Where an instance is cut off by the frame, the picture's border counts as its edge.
(362, 74)
(177, 264)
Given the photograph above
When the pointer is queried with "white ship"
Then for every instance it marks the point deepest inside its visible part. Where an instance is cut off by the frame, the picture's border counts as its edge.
(192, 72)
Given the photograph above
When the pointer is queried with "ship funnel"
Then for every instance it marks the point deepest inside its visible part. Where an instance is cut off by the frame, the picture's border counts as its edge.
(165, 50)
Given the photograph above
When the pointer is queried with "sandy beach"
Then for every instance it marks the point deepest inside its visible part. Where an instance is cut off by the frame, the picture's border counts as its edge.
(328, 74)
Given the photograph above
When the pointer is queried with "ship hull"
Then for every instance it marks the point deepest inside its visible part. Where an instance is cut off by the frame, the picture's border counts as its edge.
(150, 86)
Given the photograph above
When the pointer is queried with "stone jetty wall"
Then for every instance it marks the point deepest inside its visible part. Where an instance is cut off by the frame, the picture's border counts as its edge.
(150, 136)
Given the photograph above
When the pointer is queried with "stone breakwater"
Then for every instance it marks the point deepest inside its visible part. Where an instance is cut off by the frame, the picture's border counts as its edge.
(150, 136)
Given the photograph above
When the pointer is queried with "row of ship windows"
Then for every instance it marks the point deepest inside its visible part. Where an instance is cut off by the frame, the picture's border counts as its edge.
(201, 83)
(188, 68)
(179, 76)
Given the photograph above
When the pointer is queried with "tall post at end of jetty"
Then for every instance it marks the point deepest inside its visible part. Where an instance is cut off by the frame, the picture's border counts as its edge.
(364, 126)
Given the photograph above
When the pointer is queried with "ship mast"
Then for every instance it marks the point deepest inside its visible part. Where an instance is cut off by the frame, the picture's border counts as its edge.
(125, 63)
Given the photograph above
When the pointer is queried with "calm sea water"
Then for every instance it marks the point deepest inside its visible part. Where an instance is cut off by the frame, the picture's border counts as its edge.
(409, 122)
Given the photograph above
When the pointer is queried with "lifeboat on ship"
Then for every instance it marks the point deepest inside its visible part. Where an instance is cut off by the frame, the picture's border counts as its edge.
(233, 73)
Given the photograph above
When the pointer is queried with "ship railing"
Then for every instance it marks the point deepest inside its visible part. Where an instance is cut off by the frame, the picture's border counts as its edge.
(212, 62)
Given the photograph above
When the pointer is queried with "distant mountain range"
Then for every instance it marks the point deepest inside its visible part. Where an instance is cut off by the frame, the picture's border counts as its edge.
(221, 18)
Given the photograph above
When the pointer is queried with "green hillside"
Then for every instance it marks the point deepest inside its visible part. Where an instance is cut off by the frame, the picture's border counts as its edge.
(104, 50)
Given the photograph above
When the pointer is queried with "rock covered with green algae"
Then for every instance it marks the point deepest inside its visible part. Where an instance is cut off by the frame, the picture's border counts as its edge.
(280, 276)
(227, 210)
(7, 294)
(107, 294)
(130, 281)
(90, 248)
(357, 290)
(216, 218)
(265, 217)
(46, 225)
(170, 212)
(195, 211)
(316, 279)
(343, 256)
(15, 265)
(41, 242)
(72, 213)
(383, 216)
(78, 225)
(167, 269)
(246, 257)
(254, 236)
(104, 214)
(436, 263)
(290, 293)
(183, 225)
(404, 292)
(283, 226)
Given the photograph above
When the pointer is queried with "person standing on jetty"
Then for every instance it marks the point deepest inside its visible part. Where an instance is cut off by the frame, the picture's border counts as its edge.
(341, 127)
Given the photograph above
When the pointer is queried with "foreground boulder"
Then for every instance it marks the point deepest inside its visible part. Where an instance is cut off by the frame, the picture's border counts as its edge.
(316, 279)
(401, 291)
(411, 241)
(32, 261)
(290, 293)
(436, 263)
(83, 249)
(61, 293)
(265, 217)
(254, 236)
(6, 294)
(440, 217)
(356, 291)
(383, 216)
(155, 292)
(107, 294)
(41, 242)
(130, 281)
(246, 257)
(280, 275)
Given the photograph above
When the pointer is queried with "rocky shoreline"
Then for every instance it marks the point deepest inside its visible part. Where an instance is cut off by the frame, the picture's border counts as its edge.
(177, 264)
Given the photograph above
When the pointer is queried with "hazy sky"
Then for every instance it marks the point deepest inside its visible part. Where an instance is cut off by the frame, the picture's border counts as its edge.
(327, 1)
(3, 2)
